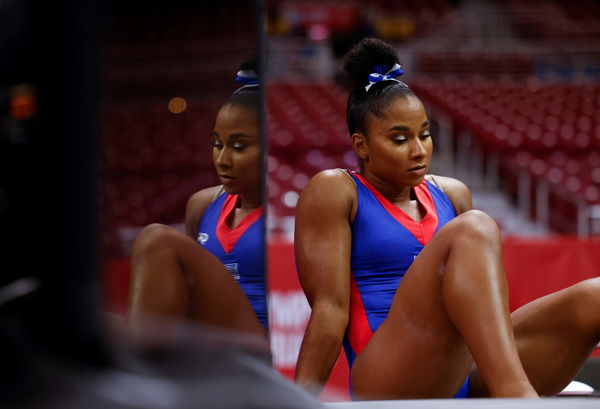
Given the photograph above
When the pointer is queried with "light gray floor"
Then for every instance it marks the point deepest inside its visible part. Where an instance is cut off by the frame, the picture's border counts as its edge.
(547, 403)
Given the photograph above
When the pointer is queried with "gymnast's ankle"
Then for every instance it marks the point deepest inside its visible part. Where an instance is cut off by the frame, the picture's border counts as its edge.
(515, 390)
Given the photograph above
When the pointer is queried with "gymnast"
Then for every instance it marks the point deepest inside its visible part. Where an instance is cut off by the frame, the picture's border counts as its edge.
(214, 275)
(399, 268)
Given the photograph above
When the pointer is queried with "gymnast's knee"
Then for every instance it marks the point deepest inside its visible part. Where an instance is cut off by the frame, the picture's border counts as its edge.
(586, 299)
(476, 225)
(152, 238)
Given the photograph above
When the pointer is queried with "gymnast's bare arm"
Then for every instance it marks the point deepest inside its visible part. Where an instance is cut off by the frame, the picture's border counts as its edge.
(322, 245)
(195, 208)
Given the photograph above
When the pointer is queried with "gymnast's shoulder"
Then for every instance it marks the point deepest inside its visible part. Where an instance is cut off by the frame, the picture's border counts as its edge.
(458, 193)
(204, 197)
(197, 205)
(334, 186)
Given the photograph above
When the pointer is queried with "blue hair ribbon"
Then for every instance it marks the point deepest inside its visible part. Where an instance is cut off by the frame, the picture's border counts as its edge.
(381, 75)
(247, 77)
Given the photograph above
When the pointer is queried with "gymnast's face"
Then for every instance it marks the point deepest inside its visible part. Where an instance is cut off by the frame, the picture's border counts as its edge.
(236, 149)
(398, 146)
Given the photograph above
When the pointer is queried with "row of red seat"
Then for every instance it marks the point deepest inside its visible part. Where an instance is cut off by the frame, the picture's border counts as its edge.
(289, 174)
(521, 63)
(555, 19)
(306, 116)
(152, 161)
(136, 200)
(162, 22)
(396, 20)
(511, 117)
(307, 133)
(579, 175)
(550, 132)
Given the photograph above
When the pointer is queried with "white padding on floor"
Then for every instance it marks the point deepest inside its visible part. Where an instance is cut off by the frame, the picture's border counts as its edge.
(577, 388)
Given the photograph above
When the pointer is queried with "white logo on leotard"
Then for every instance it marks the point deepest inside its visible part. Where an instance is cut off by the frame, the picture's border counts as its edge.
(202, 238)
(233, 269)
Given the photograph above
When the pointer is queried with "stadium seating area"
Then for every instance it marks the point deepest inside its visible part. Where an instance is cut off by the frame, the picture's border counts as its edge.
(549, 132)
(491, 63)
(551, 19)
(153, 161)
(402, 20)
(307, 133)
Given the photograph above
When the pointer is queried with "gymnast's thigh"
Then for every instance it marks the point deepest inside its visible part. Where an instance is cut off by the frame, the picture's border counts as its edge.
(215, 298)
(212, 295)
(416, 352)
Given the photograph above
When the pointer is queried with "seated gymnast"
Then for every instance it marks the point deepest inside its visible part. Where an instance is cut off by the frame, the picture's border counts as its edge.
(214, 275)
(399, 268)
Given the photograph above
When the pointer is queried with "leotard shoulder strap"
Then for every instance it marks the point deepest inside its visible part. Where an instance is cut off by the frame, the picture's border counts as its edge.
(347, 173)
(218, 193)
(436, 183)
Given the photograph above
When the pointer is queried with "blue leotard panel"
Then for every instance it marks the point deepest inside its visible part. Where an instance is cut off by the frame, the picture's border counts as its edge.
(385, 242)
(240, 249)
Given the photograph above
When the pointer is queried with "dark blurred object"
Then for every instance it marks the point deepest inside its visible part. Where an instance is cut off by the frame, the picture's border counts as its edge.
(590, 374)
(53, 352)
(48, 184)
(155, 48)
(203, 368)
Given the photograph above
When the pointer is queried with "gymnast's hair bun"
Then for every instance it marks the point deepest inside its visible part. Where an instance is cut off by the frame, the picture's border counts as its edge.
(249, 63)
(365, 55)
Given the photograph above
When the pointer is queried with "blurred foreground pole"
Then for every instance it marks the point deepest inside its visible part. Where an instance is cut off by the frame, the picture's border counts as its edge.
(48, 188)
(64, 226)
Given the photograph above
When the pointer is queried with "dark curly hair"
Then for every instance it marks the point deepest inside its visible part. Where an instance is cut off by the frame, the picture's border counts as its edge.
(359, 62)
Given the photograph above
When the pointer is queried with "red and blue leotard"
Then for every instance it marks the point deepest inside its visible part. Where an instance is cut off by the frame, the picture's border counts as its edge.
(240, 249)
(385, 242)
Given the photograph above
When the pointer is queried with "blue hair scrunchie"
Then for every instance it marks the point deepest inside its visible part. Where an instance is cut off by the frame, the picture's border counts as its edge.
(381, 75)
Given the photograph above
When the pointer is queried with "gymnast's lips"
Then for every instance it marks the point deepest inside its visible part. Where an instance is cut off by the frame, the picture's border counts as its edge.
(225, 177)
(418, 170)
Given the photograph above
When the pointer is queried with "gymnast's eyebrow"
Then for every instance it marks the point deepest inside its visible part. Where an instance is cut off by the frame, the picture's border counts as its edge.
(232, 136)
(406, 128)
(238, 135)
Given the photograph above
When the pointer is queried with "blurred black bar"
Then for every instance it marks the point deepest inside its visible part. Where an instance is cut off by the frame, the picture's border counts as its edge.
(48, 185)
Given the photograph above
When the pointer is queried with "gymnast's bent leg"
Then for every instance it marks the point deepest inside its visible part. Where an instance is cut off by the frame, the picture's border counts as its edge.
(173, 277)
(452, 305)
(555, 334)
